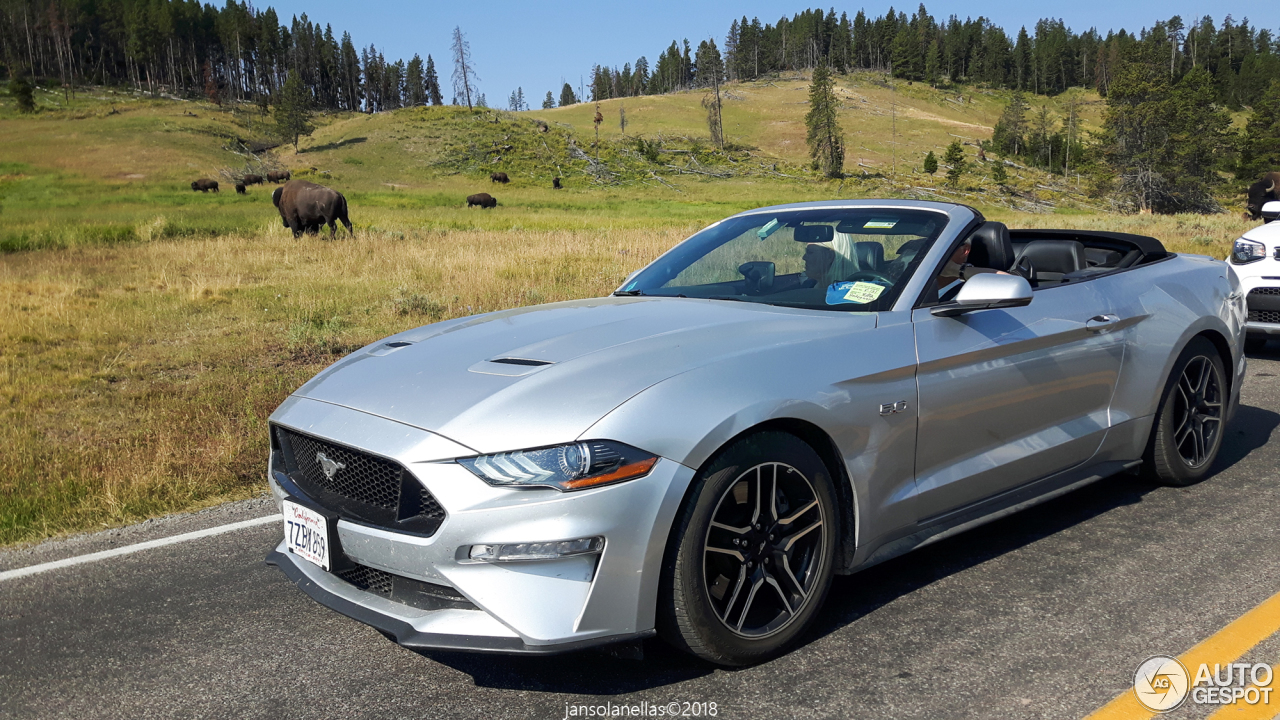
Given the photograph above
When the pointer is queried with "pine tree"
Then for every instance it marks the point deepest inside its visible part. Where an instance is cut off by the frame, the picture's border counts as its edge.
(293, 110)
(415, 86)
(1260, 144)
(464, 75)
(548, 102)
(931, 163)
(22, 93)
(1009, 135)
(432, 82)
(567, 97)
(998, 173)
(954, 158)
(824, 136)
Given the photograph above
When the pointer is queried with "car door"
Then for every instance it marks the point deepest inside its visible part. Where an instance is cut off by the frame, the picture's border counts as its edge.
(1013, 395)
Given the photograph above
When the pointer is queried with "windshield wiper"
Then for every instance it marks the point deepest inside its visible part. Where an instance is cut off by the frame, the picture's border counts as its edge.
(629, 293)
(727, 297)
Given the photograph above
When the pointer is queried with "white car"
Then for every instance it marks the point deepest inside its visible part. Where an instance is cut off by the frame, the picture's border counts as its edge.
(1256, 261)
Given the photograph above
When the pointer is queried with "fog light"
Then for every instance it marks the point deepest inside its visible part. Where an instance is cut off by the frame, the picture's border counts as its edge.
(507, 552)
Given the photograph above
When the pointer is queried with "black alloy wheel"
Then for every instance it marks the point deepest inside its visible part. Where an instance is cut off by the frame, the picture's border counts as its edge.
(1189, 423)
(763, 549)
(750, 556)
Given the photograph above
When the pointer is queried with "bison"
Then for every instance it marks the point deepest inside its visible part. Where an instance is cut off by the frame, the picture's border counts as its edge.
(305, 206)
(278, 176)
(251, 180)
(499, 177)
(484, 200)
(240, 189)
(555, 184)
(1261, 193)
(204, 185)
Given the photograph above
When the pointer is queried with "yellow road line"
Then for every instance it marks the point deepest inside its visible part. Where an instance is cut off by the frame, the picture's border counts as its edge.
(1224, 646)
(1241, 710)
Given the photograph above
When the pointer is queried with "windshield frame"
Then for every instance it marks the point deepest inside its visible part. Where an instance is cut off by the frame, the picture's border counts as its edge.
(707, 240)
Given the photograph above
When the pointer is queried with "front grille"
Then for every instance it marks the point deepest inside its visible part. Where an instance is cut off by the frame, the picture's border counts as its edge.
(1264, 316)
(363, 478)
(1265, 291)
(403, 590)
(359, 486)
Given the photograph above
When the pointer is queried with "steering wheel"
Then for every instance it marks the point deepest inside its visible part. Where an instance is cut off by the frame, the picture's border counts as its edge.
(870, 275)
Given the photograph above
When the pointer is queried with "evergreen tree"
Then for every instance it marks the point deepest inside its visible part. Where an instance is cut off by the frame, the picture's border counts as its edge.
(432, 82)
(931, 163)
(824, 136)
(998, 173)
(954, 158)
(293, 110)
(415, 85)
(548, 102)
(1163, 140)
(567, 97)
(1260, 144)
(464, 74)
(22, 93)
(1009, 135)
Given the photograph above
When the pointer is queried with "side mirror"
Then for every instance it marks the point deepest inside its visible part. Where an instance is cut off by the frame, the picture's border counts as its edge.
(988, 291)
(1270, 211)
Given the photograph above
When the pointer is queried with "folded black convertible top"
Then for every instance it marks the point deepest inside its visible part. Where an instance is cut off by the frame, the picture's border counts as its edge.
(1151, 248)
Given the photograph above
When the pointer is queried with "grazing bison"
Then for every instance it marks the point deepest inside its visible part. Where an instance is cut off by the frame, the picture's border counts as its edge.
(484, 200)
(278, 176)
(240, 189)
(555, 183)
(204, 185)
(251, 179)
(499, 177)
(305, 206)
(1262, 192)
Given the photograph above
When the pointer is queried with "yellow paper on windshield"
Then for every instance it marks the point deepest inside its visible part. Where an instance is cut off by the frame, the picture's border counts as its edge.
(863, 292)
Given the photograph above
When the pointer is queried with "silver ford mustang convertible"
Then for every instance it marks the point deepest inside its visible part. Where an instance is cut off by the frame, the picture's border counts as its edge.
(793, 392)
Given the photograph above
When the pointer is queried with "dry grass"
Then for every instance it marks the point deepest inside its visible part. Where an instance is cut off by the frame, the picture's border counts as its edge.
(137, 380)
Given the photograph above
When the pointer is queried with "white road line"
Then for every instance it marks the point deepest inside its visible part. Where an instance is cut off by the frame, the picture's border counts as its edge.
(127, 549)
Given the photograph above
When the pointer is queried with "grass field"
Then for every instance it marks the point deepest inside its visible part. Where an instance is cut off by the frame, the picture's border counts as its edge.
(149, 330)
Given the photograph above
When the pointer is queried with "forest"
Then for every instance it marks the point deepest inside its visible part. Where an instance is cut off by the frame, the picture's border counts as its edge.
(1046, 60)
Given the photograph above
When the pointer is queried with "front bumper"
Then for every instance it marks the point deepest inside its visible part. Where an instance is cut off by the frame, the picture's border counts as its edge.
(518, 607)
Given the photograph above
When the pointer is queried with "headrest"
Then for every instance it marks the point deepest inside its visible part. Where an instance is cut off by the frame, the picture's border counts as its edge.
(814, 233)
(1101, 257)
(991, 247)
(1055, 256)
(870, 254)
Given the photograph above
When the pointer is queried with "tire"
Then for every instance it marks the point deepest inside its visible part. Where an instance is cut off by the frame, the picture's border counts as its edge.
(1189, 423)
(1255, 343)
(742, 578)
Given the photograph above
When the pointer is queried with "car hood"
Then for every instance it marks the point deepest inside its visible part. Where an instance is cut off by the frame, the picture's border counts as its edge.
(576, 361)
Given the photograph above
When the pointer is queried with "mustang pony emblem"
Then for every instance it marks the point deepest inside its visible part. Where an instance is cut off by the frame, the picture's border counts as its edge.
(328, 466)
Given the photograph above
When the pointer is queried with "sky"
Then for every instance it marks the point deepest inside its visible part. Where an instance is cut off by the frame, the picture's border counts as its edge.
(538, 45)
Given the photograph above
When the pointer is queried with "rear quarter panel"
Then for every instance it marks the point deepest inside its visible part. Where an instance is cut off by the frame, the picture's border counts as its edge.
(1176, 299)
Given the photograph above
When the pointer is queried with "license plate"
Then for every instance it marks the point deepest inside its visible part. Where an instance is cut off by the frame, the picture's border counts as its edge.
(307, 533)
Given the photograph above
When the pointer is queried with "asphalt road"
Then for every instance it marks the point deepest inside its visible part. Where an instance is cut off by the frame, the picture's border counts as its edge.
(1045, 614)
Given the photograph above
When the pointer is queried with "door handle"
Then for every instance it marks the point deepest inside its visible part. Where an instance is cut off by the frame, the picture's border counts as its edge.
(1098, 323)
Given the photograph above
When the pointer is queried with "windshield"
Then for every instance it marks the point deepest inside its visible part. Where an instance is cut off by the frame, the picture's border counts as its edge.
(851, 259)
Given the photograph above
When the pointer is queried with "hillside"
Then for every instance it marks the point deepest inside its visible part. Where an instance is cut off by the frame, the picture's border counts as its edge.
(111, 166)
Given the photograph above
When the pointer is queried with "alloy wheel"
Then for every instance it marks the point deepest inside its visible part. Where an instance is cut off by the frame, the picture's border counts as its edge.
(1198, 409)
(763, 550)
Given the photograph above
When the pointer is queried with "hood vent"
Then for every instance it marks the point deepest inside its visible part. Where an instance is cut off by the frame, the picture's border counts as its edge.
(509, 366)
(388, 348)
(521, 361)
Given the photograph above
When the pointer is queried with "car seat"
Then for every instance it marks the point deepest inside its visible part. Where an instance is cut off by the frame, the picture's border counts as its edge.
(1052, 259)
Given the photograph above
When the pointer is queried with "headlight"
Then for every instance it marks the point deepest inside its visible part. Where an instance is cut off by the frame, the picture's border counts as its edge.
(576, 466)
(1247, 251)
